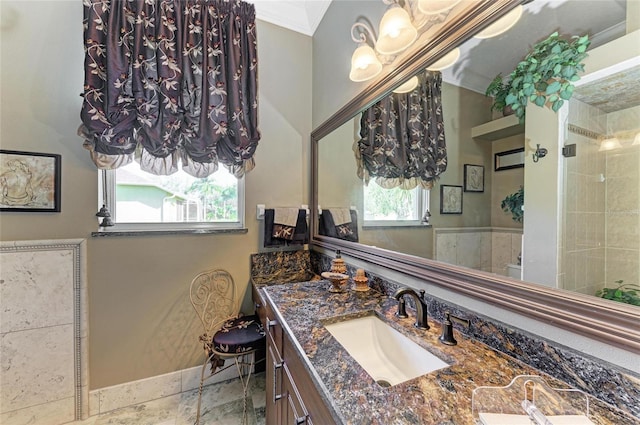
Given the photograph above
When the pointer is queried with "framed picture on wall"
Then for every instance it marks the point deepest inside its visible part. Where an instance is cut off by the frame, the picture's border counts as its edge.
(473, 178)
(450, 199)
(29, 181)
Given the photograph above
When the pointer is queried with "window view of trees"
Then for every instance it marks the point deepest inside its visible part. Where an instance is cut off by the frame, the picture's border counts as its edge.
(145, 198)
(391, 204)
(219, 199)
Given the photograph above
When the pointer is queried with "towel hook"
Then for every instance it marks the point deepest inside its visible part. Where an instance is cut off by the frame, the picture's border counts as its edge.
(539, 153)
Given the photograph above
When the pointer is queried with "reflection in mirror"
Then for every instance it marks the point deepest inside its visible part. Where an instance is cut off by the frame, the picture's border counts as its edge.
(507, 160)
(485, 237)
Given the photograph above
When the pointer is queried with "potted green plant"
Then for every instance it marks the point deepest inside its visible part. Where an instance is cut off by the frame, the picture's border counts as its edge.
(546, 75)
(513, 204)
(498, 89)
(624, 293)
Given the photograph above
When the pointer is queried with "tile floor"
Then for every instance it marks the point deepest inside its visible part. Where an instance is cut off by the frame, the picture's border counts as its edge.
(221, 405)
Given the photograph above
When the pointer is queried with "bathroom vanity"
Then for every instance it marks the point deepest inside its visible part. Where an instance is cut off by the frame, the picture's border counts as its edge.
(311, 378)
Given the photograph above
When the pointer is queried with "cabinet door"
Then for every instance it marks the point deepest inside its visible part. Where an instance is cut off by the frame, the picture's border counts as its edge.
(294, 411)
(274, 388)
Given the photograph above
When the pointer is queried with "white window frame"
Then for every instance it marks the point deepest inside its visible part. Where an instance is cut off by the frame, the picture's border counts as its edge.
(423, 205)
(107, 186)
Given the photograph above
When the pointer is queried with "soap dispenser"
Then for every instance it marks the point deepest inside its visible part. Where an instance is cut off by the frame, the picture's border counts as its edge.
(337, 264)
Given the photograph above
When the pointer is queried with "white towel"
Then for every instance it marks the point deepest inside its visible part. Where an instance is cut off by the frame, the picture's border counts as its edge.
(340, 215)
(285, 216)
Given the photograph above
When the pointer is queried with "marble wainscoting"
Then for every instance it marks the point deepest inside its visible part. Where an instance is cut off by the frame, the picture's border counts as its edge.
(128, 394)
(489, 249)
(43, 332)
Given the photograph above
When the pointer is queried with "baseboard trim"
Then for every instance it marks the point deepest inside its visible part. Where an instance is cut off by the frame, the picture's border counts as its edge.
(130, 393)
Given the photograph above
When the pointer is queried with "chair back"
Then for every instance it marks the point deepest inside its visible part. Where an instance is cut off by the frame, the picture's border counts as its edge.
(212, 295)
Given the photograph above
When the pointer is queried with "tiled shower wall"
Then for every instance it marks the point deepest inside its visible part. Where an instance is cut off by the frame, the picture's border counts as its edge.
(622, 212)
(480, 248)
(43, 332)
(601, 227)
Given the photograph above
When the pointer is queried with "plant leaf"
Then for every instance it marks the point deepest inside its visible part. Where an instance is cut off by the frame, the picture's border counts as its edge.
(555, 106)
(553, 87)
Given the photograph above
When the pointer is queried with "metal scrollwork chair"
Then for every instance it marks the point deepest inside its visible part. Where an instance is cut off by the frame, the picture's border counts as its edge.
(226, 335)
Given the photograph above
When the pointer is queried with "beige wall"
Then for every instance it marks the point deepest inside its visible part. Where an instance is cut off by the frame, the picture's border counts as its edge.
(505, 182)
(463, 109)
(141, 323)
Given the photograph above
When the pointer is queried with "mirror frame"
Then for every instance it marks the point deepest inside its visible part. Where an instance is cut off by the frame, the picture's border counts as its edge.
(610, 322)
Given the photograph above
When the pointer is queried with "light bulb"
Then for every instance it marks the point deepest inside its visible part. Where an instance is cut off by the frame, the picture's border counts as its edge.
(364, 64)
(446, 61)
(501, 25)
(396, 31)
(407, 86)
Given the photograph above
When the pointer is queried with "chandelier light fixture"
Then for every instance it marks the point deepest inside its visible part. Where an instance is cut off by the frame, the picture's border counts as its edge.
(400, 27)
(501, 25)
(397, 31)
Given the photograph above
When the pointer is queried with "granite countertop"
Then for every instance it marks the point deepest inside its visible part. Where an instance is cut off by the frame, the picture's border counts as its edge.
(441, 397)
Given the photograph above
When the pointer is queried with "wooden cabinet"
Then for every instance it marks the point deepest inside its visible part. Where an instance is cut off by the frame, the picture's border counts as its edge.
(292, 398)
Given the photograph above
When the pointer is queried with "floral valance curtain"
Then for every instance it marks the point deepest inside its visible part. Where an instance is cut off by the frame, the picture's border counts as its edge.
(170, 82)
(402, 141)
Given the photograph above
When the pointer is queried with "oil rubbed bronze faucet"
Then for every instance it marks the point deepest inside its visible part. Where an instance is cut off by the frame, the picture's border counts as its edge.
(447, 328)
(421, 306)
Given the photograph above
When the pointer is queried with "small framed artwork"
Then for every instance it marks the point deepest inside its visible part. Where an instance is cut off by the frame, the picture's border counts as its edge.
(450, 199)
(29, 181)
(473, 178)
(507, 160)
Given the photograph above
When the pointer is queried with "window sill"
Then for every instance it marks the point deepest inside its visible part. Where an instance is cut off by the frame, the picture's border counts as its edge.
(110, 233)
(395, 226)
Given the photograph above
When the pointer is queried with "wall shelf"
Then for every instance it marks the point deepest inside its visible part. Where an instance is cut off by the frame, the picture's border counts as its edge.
(498, 129)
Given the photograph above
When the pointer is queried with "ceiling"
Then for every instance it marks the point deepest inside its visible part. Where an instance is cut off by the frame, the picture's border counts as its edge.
(302, 16)
(481, 60)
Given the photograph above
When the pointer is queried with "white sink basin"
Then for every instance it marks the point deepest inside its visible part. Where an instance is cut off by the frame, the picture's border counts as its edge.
(387, 355)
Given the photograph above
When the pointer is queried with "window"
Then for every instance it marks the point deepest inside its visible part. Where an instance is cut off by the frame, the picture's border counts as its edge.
(394, 207)
(141, 201)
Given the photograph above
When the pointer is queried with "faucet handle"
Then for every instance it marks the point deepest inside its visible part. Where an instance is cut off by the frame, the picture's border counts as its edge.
(447, 328)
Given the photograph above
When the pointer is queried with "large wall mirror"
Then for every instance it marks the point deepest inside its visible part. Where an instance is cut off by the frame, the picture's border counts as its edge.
(581, 226)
